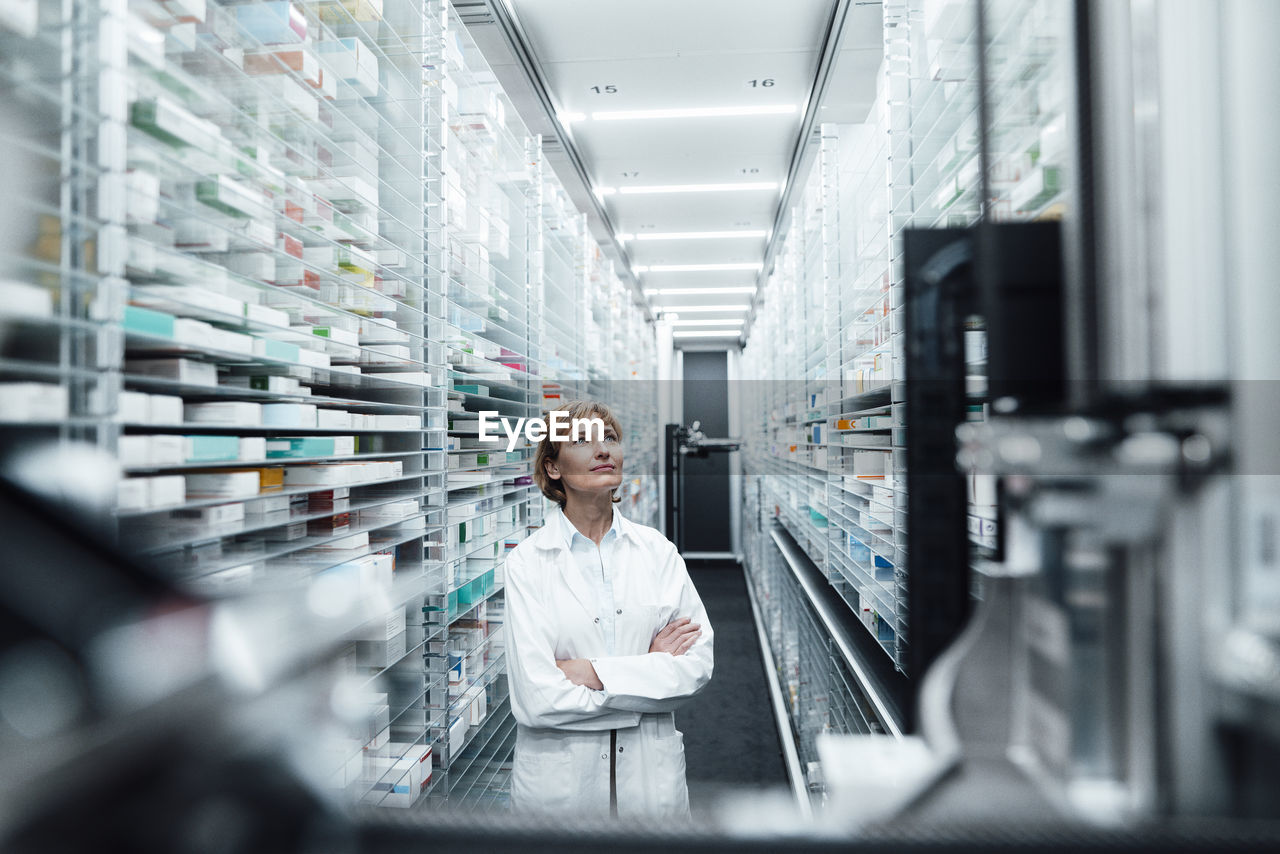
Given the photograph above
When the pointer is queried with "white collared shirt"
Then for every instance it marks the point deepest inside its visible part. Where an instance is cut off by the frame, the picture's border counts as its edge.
(596, 564)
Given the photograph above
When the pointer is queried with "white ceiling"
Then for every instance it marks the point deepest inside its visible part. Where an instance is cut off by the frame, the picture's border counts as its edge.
(684, 54)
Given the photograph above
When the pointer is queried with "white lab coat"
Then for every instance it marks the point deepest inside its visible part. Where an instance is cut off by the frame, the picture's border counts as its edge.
(562, 754)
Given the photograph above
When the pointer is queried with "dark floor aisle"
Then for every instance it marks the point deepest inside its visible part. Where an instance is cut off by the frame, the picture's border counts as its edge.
(730, 737)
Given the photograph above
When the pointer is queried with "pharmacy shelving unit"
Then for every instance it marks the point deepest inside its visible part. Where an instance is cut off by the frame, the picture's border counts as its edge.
(274, 258)
(937, 165)
(565, 246)
(621, 369)
(826, 437)
(285, 322)
(53, 322)
(492, 174)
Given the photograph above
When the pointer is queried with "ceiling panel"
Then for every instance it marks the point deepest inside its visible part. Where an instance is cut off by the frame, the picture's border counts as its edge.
(696, 166)
(618, 55)
(755, 135)
(738, 80)
(692, 211)
(712, 251)
(563, 30)
(703, 279)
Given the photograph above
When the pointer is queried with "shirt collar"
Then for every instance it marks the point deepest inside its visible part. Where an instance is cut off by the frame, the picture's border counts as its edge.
(568, 532)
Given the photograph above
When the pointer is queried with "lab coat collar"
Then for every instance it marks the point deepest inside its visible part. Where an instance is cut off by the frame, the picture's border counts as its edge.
(551, 537)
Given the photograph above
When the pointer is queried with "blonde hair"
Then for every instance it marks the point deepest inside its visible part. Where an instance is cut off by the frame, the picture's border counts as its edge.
(548, 450)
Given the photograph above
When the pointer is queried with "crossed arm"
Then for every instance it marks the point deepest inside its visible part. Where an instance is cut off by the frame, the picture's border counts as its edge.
(674, 639)
(612, 692)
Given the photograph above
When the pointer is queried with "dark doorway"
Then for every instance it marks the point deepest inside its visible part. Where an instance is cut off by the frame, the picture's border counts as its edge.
(707, 523)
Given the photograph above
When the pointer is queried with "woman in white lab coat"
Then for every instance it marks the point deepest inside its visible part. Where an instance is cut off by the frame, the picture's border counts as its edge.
(606, 636)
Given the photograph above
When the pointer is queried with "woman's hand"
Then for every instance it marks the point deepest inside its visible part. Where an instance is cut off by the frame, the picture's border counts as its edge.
(677, 637)
(580, 672)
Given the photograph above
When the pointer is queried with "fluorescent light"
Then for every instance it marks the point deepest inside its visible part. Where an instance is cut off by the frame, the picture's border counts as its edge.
(569, 118)
(695, 188)
(710, 333)
(681, 309)
(694, 268)
(695, 113)
(738, 322)
(689, 292)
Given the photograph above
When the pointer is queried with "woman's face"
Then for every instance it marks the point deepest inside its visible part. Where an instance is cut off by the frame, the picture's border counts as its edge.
(593, 465)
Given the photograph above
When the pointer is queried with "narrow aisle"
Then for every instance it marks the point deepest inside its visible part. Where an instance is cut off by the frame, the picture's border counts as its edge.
(730, 737)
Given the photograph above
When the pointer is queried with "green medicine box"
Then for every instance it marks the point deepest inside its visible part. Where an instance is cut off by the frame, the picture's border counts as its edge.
(148, 322)
(212, 449)
(273, 349)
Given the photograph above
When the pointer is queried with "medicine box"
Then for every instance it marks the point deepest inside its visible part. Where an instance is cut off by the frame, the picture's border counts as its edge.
(289, 415)
(273, 22)
(33, 402)
(267, 506)
(384, 628)
(267, 315)
(353, 62)
(237, 483)
(396, 422)
(338, 500)
(234, 413)
(871, 465)
(208, 449)
(145, 321)
(389, 512)
(253, 449)
(279, 385)
(420, 378)
(398, 777)
(333, 419)
(270, 348)
(166, 490)
(329, 526)
(287, 533)
(318, 475)
(314, 358)
(218, 514)
(132, 494)
(311, 446)
(179, 370)
(337, 335)
(165, 409)
(381, 653)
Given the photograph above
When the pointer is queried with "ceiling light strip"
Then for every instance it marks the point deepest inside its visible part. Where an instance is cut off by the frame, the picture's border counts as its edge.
(736, 322)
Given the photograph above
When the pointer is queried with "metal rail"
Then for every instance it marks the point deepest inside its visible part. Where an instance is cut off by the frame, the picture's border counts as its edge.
(796, 561)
